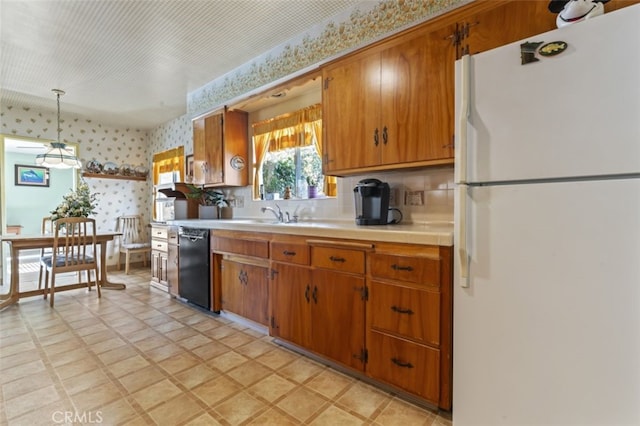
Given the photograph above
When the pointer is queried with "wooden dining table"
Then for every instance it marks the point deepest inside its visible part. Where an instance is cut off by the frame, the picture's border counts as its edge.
(17, 243)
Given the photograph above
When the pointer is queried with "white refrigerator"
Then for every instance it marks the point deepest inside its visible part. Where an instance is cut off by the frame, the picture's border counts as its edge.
(547, 238)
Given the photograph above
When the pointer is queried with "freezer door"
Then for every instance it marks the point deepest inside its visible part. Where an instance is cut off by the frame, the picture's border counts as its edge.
(548, 331)
(572, 114)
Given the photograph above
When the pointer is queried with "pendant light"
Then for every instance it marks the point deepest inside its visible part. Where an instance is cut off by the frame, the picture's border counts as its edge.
(58, 156)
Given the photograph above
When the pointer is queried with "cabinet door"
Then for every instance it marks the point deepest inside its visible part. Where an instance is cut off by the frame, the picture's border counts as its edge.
(256, 294)
(155, 266)
(207, 150)
(290, 295)
(164, 267)
(509, 22)
(199, 148)
(232, 286)
(337, 317)
(350, 114)
(417, 99)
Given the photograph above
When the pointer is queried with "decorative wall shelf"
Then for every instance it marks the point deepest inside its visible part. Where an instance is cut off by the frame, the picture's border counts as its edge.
(105, 176)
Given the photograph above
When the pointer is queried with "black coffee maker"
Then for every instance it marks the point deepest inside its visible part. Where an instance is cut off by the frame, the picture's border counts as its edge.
(372, 202)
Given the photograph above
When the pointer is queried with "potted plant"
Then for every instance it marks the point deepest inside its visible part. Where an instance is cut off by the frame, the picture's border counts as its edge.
(312, 186)
(209, 200)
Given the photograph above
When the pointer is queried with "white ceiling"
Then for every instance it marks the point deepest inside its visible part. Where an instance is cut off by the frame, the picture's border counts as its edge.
(132, 62)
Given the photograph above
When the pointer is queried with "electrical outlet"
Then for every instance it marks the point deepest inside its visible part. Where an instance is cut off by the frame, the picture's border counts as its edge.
(414, 198)
(239, 201)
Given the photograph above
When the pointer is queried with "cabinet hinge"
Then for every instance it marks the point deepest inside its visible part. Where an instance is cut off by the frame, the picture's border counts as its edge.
(273, 322)
(363, 356)
(271, 274)
(326, 82)
(364, 292)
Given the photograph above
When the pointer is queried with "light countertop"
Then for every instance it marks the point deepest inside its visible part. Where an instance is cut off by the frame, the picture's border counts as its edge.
(427, 233)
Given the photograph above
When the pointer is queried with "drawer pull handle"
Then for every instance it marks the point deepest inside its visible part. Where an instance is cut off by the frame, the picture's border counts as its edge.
(289, 253)
(336, 259)
(399, 363)
(315, 294)
(401, 268)
(402, 310)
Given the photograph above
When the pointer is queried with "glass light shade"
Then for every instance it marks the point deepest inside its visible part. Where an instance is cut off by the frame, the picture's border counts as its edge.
(58, 157)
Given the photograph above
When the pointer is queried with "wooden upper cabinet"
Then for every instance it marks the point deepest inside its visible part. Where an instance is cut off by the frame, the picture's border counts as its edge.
(391, 105)
(220, 148)
(505, 22)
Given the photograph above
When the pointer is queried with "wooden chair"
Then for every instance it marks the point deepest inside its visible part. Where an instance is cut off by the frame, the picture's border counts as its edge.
(131, 241)
(74, 249)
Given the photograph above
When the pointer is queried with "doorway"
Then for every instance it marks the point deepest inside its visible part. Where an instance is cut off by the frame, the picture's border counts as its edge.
(28, 193)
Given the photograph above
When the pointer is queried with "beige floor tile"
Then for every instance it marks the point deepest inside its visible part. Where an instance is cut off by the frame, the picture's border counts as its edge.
(178, 363)
(156, 394)
(216, 390)
(219, 333)
(118, 354)
(274, 417)
(163, 352)
(301, 369)
(329, 383)
(31, 401)
(302, 404)
(227, 361)
(107, 345)
(254, 348)
(48, 414)
(181, 333)
(95, 397)
(271, 388)
(240, 407)
(84, 381)
(127, 366)
(151, 342)
(236, 339)
(335, 416)
(15, 360)
(195, 341)
(75, 368)
(205, 419)
(55, 349)
(363, 399)
(140, 379)
(25, 385)
(277, 358)
(117, 412)
(398, 413)
(196, 375)
(176, 411)
(70, 356)
(211, 350)
(249, 373)
(8, 350)
(22, 370)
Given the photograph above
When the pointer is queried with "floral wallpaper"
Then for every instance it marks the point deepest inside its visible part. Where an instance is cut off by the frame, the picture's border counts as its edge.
(98, 141)
(363, 25)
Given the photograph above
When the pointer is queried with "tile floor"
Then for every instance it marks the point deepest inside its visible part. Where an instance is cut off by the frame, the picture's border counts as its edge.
(139, 357)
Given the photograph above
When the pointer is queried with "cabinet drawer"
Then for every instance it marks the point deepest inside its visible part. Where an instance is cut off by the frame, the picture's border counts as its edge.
(419, 270)
(159, 232)
(158, 245)
(289, 252)
(254, 248)
(344, 260)
(409, 366)
(406, 311)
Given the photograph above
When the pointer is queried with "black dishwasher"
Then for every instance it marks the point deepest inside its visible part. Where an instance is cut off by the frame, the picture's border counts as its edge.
(194, 266)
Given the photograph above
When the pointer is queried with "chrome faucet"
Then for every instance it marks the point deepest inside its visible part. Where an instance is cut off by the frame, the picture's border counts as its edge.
(278, 214)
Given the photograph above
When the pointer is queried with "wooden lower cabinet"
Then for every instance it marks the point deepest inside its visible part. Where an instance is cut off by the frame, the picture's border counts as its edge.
(290, 295)
(337, 317)
(244, 290)
(409, 366)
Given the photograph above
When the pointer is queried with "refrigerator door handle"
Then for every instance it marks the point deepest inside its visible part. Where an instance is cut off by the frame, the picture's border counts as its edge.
(463, 120)
(463, 254)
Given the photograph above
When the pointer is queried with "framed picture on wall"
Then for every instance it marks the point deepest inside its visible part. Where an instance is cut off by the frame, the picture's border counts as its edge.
(31, 175)
(188, 165)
